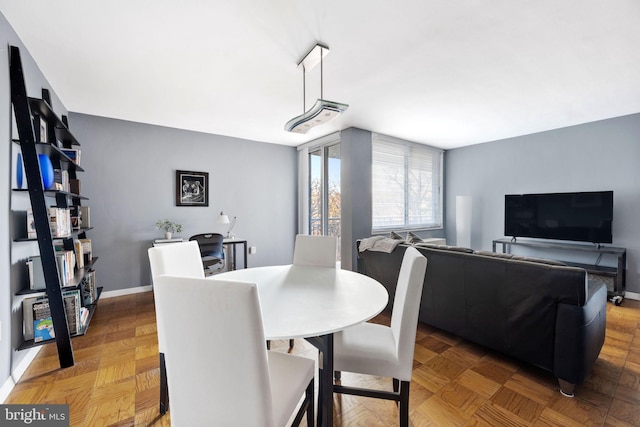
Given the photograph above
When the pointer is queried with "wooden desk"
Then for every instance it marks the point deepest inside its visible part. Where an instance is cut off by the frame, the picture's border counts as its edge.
(313, 303)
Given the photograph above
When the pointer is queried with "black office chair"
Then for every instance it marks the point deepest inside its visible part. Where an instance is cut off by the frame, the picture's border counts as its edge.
(211, 251)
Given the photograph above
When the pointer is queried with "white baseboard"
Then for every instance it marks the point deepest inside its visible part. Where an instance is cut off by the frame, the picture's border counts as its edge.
(6, 388)
(632, 295)
(18, 371)
(127, 291)
(30, 354)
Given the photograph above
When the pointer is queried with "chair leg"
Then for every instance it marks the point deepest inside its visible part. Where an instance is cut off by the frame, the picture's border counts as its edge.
(268, 345)
(404, 403)
(319, 419)
(164, 387)
(337, 375)
(311, 402)
(290, 345)
(400, 395)
(307, 406)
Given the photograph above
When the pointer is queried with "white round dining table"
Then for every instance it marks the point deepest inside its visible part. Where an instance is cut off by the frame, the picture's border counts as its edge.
(313, 303)
(301, 301)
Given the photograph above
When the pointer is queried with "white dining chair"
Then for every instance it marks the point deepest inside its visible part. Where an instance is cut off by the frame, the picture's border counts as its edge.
(315, 251)
(386, 351)
(236, 384)
(178, 259)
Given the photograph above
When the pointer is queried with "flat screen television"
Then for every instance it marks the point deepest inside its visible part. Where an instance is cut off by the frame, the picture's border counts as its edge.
(582, 217)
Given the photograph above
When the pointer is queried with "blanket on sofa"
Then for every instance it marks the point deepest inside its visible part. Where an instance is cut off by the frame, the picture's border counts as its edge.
(379, 244)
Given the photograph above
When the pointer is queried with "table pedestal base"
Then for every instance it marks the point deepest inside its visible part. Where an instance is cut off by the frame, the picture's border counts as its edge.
(324, 344)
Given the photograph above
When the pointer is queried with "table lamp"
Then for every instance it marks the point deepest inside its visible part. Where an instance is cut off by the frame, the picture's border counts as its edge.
(224, 219)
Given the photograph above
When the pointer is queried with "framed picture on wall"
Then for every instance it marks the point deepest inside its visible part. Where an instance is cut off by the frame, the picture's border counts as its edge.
(192, 188)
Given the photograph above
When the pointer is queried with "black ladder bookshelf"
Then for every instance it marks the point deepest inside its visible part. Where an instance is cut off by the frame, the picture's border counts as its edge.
(24, 116)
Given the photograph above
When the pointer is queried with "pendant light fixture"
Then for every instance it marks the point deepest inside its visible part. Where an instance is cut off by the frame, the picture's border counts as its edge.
(323, 110)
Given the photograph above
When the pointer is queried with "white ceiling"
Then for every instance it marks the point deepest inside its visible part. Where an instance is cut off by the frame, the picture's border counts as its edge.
(445, 73)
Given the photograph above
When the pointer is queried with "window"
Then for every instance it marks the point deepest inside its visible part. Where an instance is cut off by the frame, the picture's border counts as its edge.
(324, 192)
(406, 185)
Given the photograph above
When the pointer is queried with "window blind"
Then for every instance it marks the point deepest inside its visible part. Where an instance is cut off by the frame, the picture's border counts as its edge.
(406, 182)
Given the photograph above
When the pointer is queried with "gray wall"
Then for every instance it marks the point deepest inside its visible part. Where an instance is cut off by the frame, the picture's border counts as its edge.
(595, 156)
(355, 171)
(130, 180)
(13, 255)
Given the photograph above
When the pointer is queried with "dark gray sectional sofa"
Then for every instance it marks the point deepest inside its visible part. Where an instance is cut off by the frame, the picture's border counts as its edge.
(538, 311)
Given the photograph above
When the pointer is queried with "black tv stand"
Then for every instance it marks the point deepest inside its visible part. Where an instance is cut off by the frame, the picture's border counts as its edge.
(613, 277)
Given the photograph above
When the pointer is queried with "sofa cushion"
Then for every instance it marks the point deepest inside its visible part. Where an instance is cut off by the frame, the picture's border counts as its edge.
(544, 261)
(426, 245)
(494, 254)
(455, 249)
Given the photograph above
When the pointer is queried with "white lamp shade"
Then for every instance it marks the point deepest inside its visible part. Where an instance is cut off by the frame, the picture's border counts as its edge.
(223, 218)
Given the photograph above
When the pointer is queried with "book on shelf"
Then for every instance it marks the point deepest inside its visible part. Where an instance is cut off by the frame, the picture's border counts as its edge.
(89, 288)
(66, 260)
(86, 250)
(61, 180)
(59, 221)
(74, 215)
(42, 321)
(37, 321)
(31, 225)
(79, 251)
(27, 317)
(165, 241)
(72, 309)
(73, 154)
(84, 317)
(41, 129)
(85, 217)
(74, 186)
(36, 273)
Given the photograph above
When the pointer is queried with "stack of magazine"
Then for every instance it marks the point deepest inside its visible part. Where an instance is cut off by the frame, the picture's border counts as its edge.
(37, 321)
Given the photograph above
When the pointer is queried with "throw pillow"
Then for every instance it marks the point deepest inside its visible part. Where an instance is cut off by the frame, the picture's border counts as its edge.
(412, 238)
(395, 236)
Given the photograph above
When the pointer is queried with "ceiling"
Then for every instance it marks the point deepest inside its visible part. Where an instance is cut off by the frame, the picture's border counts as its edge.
(444, 73)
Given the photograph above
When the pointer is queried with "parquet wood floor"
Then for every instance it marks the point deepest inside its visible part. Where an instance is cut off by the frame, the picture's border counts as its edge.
(455, 383)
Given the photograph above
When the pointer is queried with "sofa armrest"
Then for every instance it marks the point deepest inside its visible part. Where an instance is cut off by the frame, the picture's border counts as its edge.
(580, 333)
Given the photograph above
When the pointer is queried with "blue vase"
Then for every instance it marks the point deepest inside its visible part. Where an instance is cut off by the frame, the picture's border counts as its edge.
(19, 171)
(46, 170)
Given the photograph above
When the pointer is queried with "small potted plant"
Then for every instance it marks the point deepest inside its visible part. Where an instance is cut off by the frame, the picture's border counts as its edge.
(169, 227)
